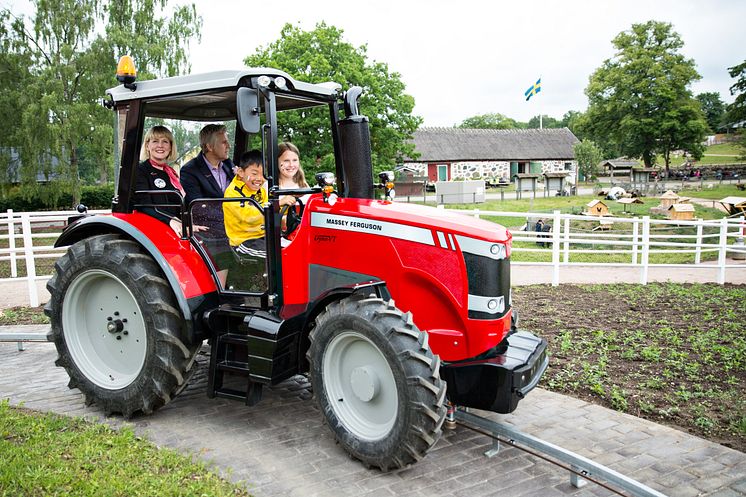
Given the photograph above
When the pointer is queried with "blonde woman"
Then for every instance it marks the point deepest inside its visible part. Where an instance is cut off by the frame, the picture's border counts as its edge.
(155, 173)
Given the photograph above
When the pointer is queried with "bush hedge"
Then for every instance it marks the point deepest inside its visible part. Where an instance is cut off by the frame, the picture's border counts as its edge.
(54, 197)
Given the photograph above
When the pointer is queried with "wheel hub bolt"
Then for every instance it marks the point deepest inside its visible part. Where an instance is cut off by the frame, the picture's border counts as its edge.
(364, 382)
(114, 326)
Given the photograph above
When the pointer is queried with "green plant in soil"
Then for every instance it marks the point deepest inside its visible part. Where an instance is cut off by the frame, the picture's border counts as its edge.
(671, 353)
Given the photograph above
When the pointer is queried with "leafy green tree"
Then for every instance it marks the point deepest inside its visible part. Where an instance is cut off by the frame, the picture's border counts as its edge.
(490, 121)
(640, 104)
(323, 55)
(737, 110)
(570, 120)
(588, 155)
(713, 108)
(58, 64)
(546, 122)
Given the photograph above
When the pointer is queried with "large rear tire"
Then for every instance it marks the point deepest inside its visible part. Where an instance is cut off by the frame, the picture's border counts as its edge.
(376, 382)
(116, 326)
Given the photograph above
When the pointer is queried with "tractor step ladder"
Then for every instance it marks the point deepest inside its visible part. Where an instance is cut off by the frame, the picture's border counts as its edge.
(229, 361)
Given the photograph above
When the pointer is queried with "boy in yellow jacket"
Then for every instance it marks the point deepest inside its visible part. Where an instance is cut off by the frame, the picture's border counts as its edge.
(244, 221)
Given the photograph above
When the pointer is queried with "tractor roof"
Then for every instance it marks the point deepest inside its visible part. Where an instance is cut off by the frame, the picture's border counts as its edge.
(212, 96)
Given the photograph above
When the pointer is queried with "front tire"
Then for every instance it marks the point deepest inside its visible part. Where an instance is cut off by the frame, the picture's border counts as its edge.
(116, 326)
(376, 382)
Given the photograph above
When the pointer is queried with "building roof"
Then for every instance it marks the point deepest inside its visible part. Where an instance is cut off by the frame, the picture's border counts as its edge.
(734, 200)
(630, 200)
(627, 163)
(682, 208)
(593, 203)
(457, 144)
(669, 194)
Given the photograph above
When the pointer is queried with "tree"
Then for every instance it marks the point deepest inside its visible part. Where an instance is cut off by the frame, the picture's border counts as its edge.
(713, 108)
(737, 110)
(546, 122)
(640, 104)
(322, 55)
(588, 156)
(490, 121)
(571, 120)
(58, 65)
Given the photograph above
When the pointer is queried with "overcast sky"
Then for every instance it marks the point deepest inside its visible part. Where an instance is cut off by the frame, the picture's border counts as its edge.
(463, 58)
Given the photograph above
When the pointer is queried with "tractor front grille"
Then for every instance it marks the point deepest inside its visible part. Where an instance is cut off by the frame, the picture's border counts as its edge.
(488, 272)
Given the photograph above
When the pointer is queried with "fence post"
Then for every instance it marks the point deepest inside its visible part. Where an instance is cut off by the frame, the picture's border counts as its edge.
(556, 228)
(476, 213)
(645, 250)
(28, 249)
(12, 245)
(723, 242)
(567, 241)
(698, 249)
(635, 240)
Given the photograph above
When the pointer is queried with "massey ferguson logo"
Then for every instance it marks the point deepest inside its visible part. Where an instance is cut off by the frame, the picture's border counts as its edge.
(324, 238)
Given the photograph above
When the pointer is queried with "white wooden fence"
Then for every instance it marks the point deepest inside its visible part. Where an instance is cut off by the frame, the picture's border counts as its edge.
(27, 227)
(638, 242)
(641, 238)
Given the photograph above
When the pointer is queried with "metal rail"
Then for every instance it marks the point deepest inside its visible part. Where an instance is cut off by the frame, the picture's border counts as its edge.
(22, 338)
(580, 468)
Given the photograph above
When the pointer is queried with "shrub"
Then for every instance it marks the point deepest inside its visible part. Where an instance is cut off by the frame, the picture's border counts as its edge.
(53, 196)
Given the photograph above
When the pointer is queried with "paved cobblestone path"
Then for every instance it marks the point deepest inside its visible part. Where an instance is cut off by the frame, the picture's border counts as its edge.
(281, 447)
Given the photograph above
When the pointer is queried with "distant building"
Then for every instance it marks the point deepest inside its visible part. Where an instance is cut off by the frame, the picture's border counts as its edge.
(619, 168)
(13, 167)
(456, 153)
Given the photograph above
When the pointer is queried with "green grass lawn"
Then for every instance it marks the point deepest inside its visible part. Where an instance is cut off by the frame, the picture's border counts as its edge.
(601, 252)
(725, 153)
(717, 192)
(576, 205)
(47, 454)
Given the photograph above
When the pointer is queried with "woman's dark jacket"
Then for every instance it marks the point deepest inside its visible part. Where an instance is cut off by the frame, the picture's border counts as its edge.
(150, 178)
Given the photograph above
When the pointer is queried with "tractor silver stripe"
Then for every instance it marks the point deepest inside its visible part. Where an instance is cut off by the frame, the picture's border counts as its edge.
(372, 227)
(480, 247)
(442, 240)
(481, 304)
(453, 242)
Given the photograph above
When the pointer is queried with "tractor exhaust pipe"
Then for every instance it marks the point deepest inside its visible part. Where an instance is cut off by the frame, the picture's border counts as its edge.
(354, 137)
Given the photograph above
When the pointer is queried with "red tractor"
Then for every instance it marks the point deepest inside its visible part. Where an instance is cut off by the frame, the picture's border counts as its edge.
(395, 311)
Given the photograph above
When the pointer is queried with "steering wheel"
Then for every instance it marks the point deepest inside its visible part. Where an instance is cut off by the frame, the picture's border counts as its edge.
(294, 215)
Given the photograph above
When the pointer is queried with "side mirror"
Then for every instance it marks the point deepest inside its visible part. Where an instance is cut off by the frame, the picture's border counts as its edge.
(247, 110)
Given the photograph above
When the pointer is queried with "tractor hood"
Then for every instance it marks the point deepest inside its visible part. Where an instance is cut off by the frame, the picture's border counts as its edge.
(393, 214)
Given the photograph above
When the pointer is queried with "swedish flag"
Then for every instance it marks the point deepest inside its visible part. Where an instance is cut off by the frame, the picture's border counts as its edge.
(533, 89)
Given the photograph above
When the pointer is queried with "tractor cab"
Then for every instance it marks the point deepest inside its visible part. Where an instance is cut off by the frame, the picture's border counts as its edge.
(253, 104)
(396, 312)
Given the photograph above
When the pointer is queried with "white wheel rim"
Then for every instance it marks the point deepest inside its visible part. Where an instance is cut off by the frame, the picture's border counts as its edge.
(360, 386)
(104, 329)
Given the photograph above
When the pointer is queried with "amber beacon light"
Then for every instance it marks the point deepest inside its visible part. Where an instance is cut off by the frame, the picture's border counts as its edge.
(126, 72)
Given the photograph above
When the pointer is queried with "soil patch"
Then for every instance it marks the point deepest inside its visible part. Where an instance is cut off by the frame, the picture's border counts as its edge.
(671, 353)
